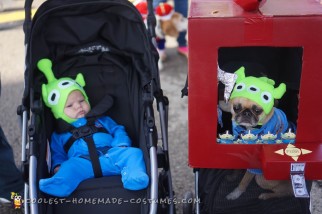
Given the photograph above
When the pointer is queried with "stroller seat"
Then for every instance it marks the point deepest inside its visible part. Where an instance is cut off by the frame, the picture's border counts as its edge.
(100, 193)
(108, 77)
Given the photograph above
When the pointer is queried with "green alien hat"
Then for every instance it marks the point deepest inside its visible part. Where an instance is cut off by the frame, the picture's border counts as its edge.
(260, 90)
(56, 91)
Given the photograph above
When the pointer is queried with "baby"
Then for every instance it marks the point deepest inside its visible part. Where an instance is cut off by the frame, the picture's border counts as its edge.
(68, 101)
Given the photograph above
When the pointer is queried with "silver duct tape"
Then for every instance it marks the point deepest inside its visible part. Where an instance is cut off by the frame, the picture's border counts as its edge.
(228, 79)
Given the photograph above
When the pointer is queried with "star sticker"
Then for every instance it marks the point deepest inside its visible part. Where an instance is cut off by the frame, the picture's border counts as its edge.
(293, 152)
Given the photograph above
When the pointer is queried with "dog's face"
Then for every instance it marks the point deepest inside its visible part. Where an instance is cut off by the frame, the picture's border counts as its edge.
(246, 112)
(173, 26)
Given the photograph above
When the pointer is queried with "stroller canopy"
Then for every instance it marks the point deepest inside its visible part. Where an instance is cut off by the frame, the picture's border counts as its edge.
(64, 29)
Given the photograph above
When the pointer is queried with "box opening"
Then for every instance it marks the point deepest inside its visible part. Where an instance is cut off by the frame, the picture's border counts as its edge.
(281, 64)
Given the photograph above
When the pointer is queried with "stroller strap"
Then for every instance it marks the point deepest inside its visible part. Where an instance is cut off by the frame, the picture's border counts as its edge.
(94, 157)
(86, 133)
(82, 132)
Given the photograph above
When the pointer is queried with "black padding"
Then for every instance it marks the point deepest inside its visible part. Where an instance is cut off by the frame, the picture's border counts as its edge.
(102, 107)
(214, 187)
(111, 193)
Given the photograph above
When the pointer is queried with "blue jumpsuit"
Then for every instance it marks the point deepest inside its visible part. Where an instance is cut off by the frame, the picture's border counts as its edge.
(74, 168)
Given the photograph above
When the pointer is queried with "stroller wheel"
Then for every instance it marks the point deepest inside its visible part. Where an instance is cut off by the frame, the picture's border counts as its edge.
(166, 195)
(187, 208)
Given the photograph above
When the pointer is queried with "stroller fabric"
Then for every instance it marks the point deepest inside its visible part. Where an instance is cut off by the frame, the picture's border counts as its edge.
(214, 187)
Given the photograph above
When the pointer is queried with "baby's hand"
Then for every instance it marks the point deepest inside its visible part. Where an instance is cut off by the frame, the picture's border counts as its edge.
(56, 169)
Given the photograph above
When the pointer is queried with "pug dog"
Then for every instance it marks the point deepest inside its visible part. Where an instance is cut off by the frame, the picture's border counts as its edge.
(252, 108)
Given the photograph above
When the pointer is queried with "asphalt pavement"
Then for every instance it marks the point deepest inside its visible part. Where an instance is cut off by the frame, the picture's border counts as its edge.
(172, 77)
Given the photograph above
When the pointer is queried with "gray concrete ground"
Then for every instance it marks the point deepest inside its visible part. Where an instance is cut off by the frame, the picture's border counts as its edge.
(172, 79)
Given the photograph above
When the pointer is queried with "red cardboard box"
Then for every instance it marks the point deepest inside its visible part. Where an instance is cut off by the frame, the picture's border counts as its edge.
(291, 28)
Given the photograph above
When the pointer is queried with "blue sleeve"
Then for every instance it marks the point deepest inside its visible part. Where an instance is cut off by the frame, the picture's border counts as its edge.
(58, 154)
(120, 137)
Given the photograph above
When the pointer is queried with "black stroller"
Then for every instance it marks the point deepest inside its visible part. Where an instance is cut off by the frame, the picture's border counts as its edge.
(108, 42)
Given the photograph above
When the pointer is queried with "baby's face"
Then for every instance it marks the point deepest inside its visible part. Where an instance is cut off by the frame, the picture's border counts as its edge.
(76, 105)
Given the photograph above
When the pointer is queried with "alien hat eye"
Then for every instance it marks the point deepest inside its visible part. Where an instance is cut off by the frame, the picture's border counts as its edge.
(253, 89)
(53, 97)
(65, 84)
(240, 86)
(266, 97)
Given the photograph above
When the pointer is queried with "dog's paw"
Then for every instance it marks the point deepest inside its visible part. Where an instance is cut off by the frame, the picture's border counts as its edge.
(265, 196)
(234, 194)
(269, 195)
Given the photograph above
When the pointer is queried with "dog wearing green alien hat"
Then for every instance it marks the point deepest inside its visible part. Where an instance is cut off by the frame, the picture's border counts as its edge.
(253, 112)
(252, 99)
(56, 91)
(259, 90)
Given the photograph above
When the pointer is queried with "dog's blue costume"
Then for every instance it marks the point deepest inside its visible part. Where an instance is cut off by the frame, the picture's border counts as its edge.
(108, 150)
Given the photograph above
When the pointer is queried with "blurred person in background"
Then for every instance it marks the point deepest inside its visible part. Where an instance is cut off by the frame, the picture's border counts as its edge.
(11, 182)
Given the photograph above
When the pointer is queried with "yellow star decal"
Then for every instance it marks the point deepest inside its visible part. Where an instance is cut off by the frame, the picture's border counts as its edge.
(293, 152)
